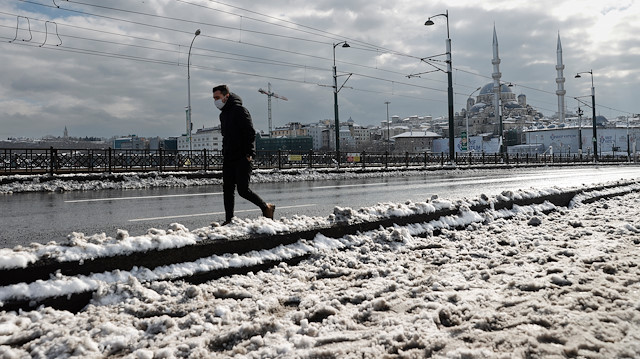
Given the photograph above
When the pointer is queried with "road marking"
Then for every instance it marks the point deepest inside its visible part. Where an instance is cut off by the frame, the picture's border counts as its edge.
(142, 197)
(351, 185)
(220, 193)
(418, 181)
(212, 213)
(200, 194)
(448, 181)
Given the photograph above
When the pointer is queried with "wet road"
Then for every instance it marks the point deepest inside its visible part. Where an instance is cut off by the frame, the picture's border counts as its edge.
(44, 217)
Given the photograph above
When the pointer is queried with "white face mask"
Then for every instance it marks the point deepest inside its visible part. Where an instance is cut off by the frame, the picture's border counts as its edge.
(219, 104)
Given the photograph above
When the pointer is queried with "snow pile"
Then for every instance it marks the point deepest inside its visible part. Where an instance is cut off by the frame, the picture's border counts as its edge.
(607, 190)
(16, 258)
(62, 285)
(90, 182)
(346, 215)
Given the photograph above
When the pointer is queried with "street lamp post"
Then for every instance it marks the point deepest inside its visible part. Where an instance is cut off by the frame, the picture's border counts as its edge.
(452, 150)
(335, 100)
(579, 131)
(467, 113)
(593, 108)
(189, 90)
(628, 143)
(633, 143)
(388, 138)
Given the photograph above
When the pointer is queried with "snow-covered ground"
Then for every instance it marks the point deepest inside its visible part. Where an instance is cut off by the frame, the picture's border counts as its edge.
(532, 282)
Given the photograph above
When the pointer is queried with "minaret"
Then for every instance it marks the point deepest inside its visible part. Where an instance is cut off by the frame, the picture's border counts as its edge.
(560, 81)
(496, 79)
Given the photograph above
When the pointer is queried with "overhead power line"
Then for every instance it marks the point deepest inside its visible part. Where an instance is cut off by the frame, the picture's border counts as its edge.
(298, 27)
(175, 63)
(203, 35)
(222, 38)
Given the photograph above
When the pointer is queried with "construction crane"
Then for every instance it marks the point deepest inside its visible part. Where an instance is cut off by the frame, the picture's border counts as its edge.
(271, 94)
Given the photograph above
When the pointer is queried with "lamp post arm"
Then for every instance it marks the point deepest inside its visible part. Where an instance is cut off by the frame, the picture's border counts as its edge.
(189, 57)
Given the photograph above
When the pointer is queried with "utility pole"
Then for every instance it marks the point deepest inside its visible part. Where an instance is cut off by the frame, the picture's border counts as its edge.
(189, 123)
(580, 131)
(388, 138)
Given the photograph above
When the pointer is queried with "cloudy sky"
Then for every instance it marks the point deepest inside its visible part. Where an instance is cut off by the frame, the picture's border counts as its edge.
(118, 67)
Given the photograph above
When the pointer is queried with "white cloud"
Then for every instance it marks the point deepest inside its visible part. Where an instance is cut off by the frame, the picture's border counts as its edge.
(136, 68)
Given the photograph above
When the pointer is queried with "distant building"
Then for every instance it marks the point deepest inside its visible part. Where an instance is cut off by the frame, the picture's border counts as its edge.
(299, 143)
(573, 139)
(132, 142)
(414, 141)
(347, 141)
(315, 131)
(209, 138)
(167, 144)
(291, 129)
(170, 144)
(363, 135)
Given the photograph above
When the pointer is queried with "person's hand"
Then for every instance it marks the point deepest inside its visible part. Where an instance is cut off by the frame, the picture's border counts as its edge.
(249, 158)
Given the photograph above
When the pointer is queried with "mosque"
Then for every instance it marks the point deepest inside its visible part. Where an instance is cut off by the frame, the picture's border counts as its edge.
(525, 130)
(482, 117)
(481, 113)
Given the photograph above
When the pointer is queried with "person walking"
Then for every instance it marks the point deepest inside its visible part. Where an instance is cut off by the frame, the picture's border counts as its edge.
(238, 151)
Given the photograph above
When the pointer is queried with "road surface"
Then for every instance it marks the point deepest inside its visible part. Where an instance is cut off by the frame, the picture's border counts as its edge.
(44, 217)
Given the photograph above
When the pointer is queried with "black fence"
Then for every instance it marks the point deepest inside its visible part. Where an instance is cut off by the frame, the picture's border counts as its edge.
(59, 161)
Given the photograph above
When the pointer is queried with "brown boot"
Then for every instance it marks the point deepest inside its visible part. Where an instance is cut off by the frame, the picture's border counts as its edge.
(268, 211)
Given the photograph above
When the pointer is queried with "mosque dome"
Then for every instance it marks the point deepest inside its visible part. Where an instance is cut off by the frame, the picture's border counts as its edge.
(488, 89)
(477, 107)
(512, 104)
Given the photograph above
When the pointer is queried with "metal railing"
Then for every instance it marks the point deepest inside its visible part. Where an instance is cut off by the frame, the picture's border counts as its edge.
(59, 161)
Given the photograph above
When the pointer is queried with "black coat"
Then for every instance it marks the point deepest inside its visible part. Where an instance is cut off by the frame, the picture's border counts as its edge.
(238, 135)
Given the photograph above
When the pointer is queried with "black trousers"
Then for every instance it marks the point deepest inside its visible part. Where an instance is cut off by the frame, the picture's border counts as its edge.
(237, 174)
